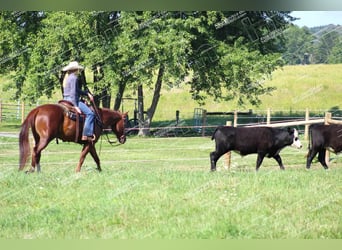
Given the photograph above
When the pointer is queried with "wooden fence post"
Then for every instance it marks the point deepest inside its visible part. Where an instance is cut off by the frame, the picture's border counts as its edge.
(235, 119)
(204, 121)
(326, 122)
(268, 119)
(227, 156)
(307, 118)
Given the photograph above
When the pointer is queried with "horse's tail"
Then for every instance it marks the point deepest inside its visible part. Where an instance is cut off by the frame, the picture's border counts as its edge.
(24, 145)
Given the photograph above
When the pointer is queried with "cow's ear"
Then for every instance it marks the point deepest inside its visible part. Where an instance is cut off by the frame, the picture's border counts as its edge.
(290, 130)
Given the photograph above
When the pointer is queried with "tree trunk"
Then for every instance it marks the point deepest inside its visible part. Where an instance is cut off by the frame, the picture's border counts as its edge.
(102, 93)
(156, 96)
(119, 95)
(141, 119)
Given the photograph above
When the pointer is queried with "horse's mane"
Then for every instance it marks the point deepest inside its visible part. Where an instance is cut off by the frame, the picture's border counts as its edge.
(117, 115)
(111, 111)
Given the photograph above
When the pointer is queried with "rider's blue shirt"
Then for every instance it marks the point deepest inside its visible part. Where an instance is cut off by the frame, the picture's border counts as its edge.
(71, 90)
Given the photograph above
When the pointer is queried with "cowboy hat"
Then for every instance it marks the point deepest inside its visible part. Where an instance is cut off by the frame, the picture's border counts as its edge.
(72, 66)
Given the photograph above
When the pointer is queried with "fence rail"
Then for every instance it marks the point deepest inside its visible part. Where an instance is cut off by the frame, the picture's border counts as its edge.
(15, 111)
(296, 121)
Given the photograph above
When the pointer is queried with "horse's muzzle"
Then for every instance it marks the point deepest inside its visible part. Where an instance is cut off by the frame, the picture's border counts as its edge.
(122, 139)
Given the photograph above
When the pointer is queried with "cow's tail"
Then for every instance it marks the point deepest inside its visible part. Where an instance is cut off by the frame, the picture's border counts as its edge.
(24, 145)
(213, 136)
(310, 138)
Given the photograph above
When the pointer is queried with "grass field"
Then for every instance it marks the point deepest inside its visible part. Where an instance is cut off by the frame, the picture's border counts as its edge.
(163, 189)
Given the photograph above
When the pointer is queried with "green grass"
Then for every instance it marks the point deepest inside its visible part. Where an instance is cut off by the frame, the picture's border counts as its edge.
(316, 87)
(163, 189)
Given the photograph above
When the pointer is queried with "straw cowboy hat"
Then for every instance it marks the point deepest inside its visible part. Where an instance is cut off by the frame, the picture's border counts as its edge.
(72, 66)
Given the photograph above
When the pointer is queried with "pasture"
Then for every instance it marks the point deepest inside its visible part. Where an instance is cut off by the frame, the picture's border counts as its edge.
(161, 188)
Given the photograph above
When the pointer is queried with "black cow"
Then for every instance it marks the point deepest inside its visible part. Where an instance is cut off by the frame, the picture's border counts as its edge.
(321, 138)
(264, 141)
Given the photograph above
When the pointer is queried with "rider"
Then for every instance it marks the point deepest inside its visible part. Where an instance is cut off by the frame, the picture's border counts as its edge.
(72, 93)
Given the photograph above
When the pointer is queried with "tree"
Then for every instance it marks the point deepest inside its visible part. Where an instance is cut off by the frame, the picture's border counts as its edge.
(17, 29)
(153, 43)
(51, 42)
(335, 55)
(324, 47)
(234, 52)
(299, 42)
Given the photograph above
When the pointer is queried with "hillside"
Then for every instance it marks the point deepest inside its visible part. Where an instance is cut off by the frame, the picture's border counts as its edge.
(317, 87)
(321, 30)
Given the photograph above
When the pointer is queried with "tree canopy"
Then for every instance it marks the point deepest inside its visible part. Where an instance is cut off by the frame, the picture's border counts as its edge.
(226, 55)
(313, 45)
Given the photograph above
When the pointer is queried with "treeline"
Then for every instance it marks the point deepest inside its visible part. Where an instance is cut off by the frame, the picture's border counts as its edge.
(313, 45)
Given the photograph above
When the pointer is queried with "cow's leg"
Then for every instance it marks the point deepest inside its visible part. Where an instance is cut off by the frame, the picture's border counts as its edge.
(260, 158)
(311, 155)
(321, 158)
(214, 156)
(280, 162)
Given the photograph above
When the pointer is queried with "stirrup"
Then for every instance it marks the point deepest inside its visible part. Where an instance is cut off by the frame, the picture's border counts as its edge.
(88, 138)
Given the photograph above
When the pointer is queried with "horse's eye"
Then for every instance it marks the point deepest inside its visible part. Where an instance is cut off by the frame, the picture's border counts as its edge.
(296, 139)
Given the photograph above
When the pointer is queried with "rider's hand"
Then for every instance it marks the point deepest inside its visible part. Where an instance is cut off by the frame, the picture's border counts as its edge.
(91, 97)
(78, 110)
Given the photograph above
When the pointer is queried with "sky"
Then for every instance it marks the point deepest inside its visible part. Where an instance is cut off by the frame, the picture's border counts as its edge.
(317, 18)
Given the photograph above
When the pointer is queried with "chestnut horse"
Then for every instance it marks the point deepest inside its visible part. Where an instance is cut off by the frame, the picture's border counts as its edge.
(50, 121)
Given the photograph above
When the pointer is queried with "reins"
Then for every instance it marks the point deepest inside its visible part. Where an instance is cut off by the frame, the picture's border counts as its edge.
(100, 120)
(112, 142)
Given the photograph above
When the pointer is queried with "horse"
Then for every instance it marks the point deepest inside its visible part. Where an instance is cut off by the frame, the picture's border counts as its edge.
(50, 121)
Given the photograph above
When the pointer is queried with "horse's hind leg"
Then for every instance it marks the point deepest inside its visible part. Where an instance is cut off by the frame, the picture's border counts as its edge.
(36, 154)
(84, 153)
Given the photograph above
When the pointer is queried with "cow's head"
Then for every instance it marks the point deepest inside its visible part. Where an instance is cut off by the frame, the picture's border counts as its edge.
(296, 142)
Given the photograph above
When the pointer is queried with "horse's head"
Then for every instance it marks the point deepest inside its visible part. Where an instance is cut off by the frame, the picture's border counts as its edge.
(119, 128)
(114, 120)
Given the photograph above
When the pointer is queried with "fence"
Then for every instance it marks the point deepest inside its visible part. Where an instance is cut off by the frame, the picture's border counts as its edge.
(15, 111)
(18, 111)
(12, 111)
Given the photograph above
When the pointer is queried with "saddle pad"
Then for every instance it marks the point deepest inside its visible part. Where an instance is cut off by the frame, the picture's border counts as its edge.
(71, 115)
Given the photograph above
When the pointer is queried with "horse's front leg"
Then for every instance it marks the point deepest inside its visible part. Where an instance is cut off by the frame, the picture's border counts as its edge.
(84, 153)
(95, 156)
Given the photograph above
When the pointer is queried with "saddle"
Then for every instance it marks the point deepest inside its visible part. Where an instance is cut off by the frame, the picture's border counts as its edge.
(71, 113)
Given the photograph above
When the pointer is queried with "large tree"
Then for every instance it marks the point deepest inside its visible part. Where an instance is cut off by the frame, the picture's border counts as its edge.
(226, 54)
(234, 52)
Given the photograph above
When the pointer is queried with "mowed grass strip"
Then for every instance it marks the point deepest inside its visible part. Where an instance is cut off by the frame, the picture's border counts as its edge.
(162, 188)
